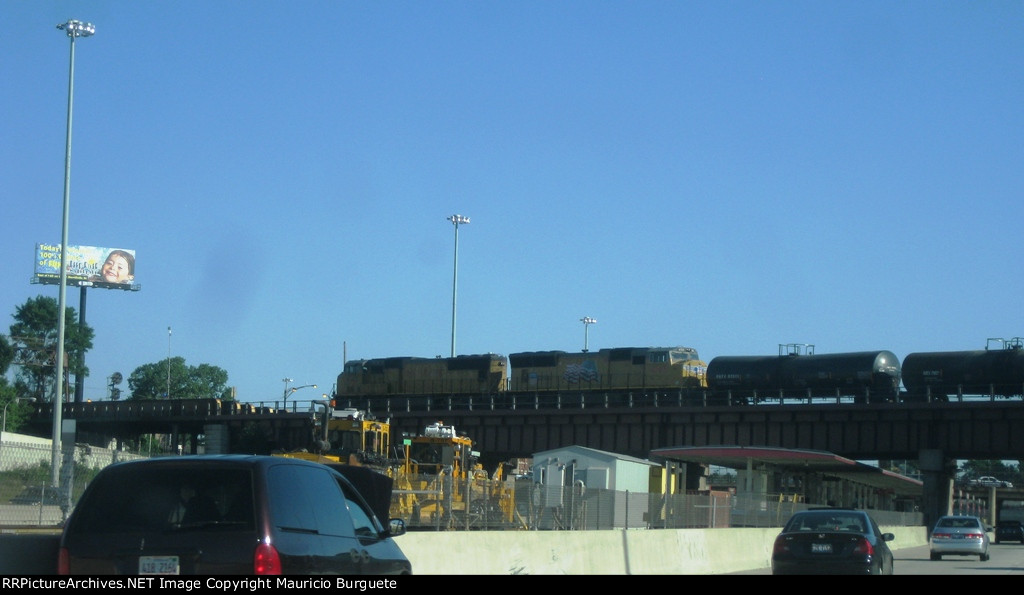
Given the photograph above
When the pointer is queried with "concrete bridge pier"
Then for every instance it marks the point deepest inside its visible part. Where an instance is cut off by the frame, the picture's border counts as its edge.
(938, 475)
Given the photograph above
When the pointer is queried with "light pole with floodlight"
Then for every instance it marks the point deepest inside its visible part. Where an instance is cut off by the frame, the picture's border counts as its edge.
(587, 321)
(168, 395)
(74, 30)
(456, 220)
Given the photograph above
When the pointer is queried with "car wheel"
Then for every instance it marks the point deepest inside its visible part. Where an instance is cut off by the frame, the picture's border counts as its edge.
(936, 556)
(984, 557)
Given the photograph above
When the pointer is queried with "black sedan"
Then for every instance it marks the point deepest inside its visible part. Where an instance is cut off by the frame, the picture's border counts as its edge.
(832, 541)
(1009, 531)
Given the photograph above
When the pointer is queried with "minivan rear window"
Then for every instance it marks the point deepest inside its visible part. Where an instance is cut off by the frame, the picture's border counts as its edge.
(308, 499)
(168, 499)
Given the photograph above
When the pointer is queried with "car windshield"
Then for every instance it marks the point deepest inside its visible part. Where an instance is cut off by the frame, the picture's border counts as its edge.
(827, 521)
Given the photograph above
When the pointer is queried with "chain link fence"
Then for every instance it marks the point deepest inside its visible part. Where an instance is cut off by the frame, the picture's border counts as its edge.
(28, 494)
(553, 507)
(443, 503)
(29, 498)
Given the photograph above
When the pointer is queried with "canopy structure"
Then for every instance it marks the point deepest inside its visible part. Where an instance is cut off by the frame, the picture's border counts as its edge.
(794, 461)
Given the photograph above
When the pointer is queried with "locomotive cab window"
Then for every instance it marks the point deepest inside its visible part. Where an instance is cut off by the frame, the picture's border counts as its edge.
(682, 356)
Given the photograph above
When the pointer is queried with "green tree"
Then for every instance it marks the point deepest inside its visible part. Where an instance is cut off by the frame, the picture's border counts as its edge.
(33, 339)
(995, 468)
(6, 355)
(152, 381)
(8, 393)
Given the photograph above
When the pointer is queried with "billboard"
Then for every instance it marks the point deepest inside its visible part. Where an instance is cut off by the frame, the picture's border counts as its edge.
(87, 266)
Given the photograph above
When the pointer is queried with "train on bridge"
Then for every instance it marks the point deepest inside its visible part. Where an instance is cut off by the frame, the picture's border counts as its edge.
(795, 372)
(411, 392)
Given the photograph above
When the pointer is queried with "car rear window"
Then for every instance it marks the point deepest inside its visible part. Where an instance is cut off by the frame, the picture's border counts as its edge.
(827, 521)
(308, 499)
(159, 498)
(959, 522)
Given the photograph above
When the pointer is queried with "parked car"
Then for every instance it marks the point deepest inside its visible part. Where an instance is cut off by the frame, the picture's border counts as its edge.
(227, 514)
(1009, 531)
(832, 541)
(960, 535)
(987, 481)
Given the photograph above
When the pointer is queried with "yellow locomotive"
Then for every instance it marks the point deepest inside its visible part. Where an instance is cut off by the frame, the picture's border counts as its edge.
(619, 368)
(475, 374)
(610, 369)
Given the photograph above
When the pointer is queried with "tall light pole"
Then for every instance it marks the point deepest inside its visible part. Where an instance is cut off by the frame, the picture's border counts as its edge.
(168, 394)
(456, 220)
(286, 381)
(587, 321)
(74, 30)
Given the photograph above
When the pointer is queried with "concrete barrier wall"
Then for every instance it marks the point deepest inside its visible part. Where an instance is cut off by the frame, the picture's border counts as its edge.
(629, 551)
(613, 552)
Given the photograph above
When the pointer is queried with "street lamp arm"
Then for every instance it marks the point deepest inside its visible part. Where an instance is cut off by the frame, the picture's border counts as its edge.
(3, 428)
(290, 391)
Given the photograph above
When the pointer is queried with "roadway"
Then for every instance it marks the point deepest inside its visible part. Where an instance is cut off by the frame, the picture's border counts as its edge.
(34, 553)
(1006, 558)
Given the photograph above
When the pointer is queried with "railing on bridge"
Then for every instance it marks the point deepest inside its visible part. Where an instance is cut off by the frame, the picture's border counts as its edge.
(184, 408)
(383, 406)
(605, 399)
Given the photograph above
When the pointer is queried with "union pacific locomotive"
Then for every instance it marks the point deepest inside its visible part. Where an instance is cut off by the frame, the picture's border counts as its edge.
(795, 373)
(474, 374)
(620, 368)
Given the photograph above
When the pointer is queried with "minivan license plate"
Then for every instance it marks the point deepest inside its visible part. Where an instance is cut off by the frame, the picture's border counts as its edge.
(821, 548)
(158, 565)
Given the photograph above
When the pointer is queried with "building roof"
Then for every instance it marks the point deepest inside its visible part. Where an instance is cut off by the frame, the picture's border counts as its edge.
(592, 452)
(814, 461)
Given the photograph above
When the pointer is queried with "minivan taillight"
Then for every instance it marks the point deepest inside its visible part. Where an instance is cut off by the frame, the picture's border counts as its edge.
(266, 560)
(63, 561)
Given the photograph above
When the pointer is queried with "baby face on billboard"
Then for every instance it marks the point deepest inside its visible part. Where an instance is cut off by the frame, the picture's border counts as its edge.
(117, 268)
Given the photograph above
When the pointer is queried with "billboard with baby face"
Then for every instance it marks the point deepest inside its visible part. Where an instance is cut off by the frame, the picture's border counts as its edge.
(87, 266)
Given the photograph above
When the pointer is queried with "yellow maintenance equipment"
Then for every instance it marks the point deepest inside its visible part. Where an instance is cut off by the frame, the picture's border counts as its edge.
(442, 486)
(438, 482)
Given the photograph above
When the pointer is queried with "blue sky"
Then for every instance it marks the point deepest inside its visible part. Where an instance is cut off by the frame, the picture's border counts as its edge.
(722, 175)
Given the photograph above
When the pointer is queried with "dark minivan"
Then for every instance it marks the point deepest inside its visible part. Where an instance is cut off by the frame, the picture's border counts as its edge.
(226, 514)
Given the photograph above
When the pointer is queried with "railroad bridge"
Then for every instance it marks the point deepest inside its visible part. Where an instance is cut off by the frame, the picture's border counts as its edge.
(506, 426)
